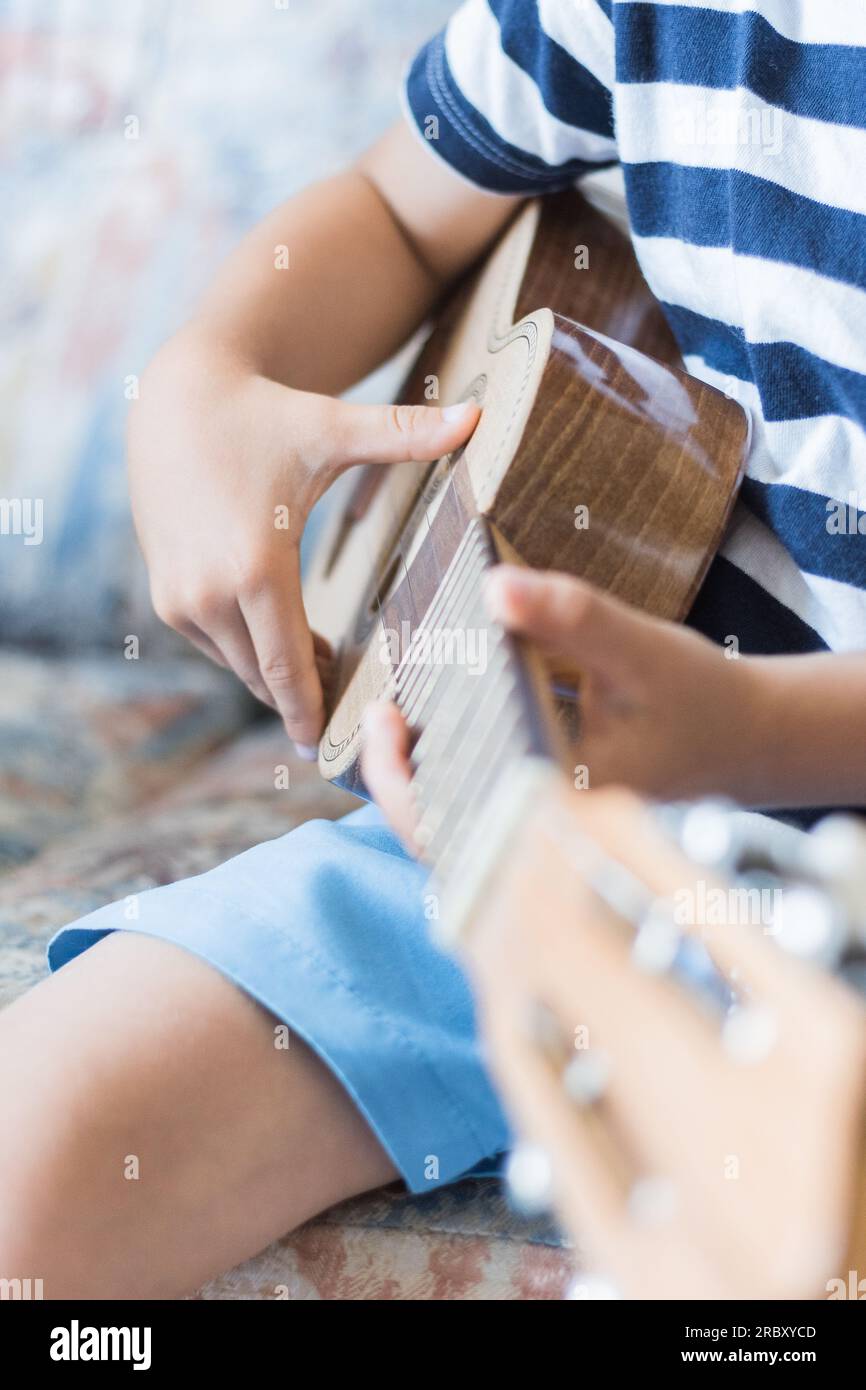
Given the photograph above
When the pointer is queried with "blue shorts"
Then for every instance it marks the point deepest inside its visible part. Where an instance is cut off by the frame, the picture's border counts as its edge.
(326, 928)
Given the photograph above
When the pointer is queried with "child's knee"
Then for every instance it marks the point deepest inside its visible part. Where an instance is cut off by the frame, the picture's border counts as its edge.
(34, 1170)
(51, 1171)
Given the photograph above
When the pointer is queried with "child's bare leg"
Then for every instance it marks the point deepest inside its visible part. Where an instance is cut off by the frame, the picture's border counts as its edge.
(137, 1050)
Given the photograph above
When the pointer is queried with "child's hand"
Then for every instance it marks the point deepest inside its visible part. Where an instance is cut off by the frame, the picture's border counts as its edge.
(225, 466)
(661, 708)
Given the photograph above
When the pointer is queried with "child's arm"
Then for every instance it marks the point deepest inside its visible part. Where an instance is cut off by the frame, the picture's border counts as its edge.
(370, 251)
(227, 431)
(809, 741)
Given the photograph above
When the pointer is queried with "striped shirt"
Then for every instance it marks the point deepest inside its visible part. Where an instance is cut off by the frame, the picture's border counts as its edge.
(740, 129)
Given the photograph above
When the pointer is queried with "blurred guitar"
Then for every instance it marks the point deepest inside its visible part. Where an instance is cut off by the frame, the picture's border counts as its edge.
(595, 454)
(673, 1003)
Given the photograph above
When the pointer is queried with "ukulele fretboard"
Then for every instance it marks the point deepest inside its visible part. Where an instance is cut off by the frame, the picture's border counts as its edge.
(472, 703)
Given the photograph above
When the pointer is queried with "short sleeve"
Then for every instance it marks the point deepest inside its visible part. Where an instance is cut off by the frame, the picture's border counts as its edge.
(516, 95)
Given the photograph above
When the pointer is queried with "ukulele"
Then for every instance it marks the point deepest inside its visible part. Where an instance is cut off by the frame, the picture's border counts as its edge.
(595, 454)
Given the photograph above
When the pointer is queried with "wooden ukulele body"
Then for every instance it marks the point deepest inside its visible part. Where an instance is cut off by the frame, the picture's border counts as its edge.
(595, 454)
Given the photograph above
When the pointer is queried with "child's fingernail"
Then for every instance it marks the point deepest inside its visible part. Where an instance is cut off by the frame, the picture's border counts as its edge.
(307, 751)
(499, 588)
(462, 410)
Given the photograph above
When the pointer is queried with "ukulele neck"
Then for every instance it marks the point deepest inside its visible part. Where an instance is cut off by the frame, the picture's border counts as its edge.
(477, 703)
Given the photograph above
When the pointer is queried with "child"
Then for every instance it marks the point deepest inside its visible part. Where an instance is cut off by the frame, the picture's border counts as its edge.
(159, 1041)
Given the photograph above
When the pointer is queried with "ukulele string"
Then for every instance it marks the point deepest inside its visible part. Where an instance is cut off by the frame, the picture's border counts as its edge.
(398, 529)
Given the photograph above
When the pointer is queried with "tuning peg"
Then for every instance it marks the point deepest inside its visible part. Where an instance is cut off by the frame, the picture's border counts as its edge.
(709, 835)
(835, 853)
(585, 1078)
(529, 1179)
(544, 1031)
(808, 923)
(657, 939)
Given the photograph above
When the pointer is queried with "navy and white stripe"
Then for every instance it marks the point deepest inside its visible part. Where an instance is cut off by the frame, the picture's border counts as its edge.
(740, 126)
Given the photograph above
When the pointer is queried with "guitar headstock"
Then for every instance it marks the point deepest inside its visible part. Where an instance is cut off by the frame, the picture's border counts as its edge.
(666, 999)
(804, 889)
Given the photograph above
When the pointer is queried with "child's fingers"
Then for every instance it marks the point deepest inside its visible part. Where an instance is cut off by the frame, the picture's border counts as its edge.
(322, 647)
(398, 433)
(591, 1179)
(386, 769)
(227, 632)
(568, 618)
(205, 644)
(285, 652)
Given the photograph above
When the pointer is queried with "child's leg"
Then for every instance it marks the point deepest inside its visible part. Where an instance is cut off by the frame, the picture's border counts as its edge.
(138, 1053)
